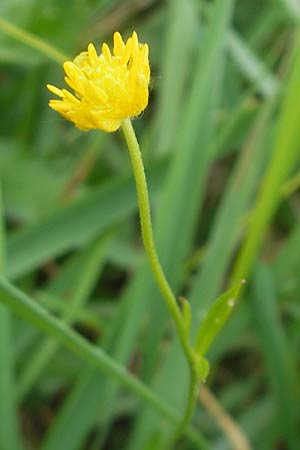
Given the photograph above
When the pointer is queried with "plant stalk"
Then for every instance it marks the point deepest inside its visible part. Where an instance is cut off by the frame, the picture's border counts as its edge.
(162, 283)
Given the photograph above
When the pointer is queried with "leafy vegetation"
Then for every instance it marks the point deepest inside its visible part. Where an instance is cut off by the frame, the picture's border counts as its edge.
(90, 360)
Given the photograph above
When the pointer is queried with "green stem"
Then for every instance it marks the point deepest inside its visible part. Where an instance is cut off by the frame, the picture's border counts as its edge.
(190, 405)
(149, 244)
(146, 226)
(188, 413)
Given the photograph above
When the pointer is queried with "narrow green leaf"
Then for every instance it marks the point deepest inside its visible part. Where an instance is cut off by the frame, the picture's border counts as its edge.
(91, 264)
(286, 154)
(226, 229)
(180, 32)
(253, 68)
(9, 429)
(216, 318)
(286, 265)
(281, 369)
(32, 41)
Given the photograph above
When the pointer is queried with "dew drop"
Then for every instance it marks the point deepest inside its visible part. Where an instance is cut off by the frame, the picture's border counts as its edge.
(231, 302)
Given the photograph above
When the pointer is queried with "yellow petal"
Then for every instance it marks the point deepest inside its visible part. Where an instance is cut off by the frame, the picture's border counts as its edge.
(55, 90)
(135, 44)
(145, 52)
(127, 51)
(59, 105)
(101, 94)
(119, 45)
(70, 96)
(92, 55)
(106, 52)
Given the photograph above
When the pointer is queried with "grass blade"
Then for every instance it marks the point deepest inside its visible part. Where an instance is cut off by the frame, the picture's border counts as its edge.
(91, 263)
(281, 370)
(29, 310)
(284, 157)
(32, 41)
(9, 428)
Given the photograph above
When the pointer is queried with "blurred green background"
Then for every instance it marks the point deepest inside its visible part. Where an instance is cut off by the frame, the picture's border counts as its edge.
(220, 141)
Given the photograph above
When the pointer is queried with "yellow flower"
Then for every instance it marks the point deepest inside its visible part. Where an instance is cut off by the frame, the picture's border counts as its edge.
(108, 87)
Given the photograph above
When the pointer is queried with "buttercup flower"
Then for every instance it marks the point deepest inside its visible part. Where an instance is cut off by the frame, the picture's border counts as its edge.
(108, 87)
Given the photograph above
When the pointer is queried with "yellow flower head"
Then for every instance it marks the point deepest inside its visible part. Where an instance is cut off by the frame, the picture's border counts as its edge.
(108, 87)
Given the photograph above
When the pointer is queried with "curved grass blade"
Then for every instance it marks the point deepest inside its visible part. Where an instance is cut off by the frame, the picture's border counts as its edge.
(32, 312)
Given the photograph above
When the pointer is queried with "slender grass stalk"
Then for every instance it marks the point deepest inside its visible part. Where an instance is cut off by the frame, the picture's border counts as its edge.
(286, 153)
(9, 433)
(162, 283)
(31, 311)
(226, 423)
(91, 262)
(32, 41)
